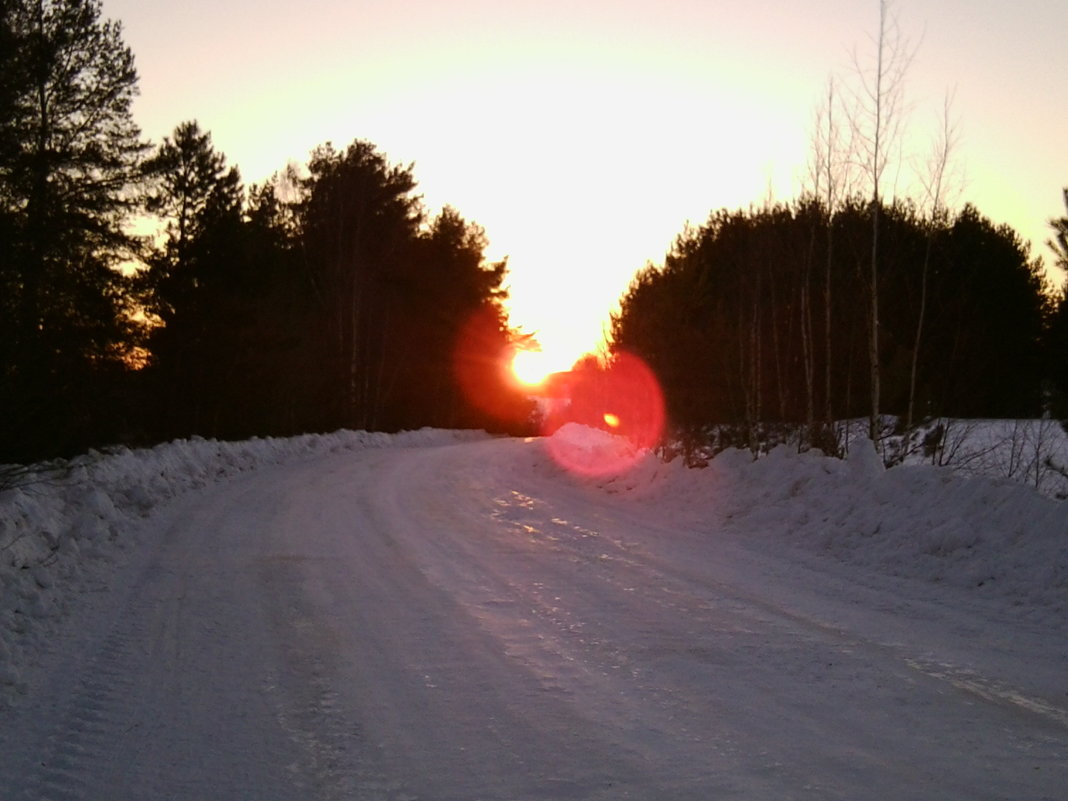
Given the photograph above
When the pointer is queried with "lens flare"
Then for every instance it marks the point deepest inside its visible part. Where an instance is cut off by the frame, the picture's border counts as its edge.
(480, 363)
(604, 419)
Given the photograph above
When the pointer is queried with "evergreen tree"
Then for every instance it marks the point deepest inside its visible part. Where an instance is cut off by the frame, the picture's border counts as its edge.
(194, 280)
(196, 194)
(718, 322)
(274, 389)
(988, 340)
(359, 218)
(456, 331)
(1059, 241)
(69, 154)
(409, 322)
(1056, 355)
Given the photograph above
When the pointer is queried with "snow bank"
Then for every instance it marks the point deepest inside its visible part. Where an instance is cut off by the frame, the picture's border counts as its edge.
(991, 536)
(976, 525)
(1033, 452)
(592, 451)
(64, 524)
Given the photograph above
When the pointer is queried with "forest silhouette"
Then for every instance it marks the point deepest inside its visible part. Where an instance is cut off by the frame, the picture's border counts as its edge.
(328, 297)
(754, 319)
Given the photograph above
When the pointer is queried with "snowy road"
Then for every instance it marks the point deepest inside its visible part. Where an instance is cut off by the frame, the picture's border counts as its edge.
(465, 622)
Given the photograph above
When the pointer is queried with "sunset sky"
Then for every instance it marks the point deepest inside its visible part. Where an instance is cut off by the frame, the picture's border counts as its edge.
(583, 135)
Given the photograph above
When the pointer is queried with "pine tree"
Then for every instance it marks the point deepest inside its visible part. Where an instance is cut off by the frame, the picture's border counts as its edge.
(359, 219)
(409, 317)
(194, 278)
(454, 330)
(1056, 356)
(69, 156)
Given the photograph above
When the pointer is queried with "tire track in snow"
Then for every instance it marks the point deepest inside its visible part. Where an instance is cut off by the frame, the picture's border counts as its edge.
(447, 714)
(74, 759)
(169, 698)
(522, 509)
(302, 694)
(993, 692)
(679, 625)
(329, 741)
(310, 717)
(962, 679)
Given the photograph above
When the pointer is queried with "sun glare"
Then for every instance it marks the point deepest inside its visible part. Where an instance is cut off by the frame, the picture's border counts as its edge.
(531, 367)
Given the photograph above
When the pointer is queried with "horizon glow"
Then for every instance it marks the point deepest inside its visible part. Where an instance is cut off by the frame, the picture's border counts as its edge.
(584, 135)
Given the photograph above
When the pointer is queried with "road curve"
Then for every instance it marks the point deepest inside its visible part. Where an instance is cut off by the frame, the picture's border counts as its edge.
(466, 622)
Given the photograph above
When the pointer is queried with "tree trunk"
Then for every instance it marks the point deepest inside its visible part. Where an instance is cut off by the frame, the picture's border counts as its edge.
(873, 338)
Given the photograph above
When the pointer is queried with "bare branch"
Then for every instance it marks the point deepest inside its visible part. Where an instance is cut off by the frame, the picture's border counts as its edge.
(878, 111)
(942, 182)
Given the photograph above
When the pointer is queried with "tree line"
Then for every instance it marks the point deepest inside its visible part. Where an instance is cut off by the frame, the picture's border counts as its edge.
(844, 304)
(763, 315)
(325, 297)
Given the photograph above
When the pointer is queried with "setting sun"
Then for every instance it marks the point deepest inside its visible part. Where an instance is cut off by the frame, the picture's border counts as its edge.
(531, 367)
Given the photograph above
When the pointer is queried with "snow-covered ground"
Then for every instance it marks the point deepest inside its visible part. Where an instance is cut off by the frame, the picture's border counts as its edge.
(442, 615)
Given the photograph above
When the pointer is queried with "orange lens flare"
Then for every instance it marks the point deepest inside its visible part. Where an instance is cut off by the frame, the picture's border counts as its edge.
(481, 368)
(611, 420)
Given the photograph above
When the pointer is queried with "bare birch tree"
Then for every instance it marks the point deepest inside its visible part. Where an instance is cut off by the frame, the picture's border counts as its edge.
(937, 183)
(830, 176)
(876, 123)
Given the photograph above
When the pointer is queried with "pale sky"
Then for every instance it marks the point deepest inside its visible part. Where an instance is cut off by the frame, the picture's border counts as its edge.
(583, 135)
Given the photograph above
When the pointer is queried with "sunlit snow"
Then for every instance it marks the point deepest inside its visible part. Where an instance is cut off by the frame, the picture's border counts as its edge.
(445, 615)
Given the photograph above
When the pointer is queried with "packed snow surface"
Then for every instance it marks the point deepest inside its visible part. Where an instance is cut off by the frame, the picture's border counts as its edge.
(443, 616)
